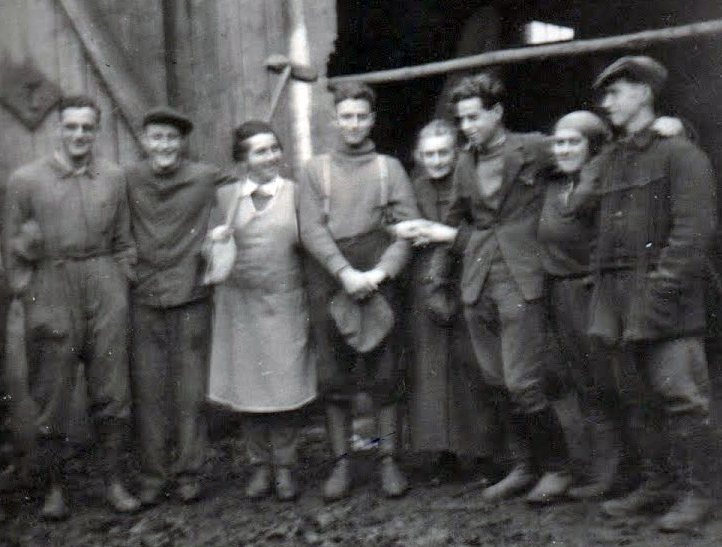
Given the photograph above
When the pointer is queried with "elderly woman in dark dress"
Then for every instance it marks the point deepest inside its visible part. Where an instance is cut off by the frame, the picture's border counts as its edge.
(446, 410)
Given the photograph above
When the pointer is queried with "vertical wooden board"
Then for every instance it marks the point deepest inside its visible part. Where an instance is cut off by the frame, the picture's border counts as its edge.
(183, 67)
(13, 24)
(70, 55)
(106, 141)
(128, 148)
(230, 62)
(42, 52)
(251, 25)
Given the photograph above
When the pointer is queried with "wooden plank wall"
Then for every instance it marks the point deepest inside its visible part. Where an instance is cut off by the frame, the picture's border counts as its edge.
(39, 30)
(220, 49)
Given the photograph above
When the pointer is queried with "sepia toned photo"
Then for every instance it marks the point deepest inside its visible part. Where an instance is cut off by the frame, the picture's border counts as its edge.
(395, 273)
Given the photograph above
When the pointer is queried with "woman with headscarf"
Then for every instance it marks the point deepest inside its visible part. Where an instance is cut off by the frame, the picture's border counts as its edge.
(446, 410)
(261, 360)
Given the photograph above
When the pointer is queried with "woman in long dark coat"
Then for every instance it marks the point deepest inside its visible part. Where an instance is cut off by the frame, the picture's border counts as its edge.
(447, 413)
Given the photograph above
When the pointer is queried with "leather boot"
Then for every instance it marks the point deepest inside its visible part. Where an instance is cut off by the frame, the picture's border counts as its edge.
(691, 437)
(260, 484)
(606, 456)
(55, 507)
(338, 428)
(112, 435)
(393, 481)
(522, 476)
(551, 487)
(655, 491)
(286, 489)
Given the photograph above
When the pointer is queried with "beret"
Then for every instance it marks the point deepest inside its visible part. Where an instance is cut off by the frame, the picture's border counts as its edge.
(639, 67)
(168, 115)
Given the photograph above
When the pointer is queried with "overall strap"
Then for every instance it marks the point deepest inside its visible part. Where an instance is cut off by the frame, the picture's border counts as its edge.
(383, 165)
(326, 181)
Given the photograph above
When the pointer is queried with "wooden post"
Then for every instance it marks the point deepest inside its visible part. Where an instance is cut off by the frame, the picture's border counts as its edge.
(299, 92)
(517, 55)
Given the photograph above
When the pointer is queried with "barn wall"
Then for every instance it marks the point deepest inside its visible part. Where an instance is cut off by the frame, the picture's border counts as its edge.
(40, 32)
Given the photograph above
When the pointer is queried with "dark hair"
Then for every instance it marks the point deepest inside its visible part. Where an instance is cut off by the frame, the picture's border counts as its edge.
(486, 86)
(78, 101)
(239, 148)
(354, 90)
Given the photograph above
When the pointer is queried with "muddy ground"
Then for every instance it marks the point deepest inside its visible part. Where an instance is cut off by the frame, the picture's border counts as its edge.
(448, 512)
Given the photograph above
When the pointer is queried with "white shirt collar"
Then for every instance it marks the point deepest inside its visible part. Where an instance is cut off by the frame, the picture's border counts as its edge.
(268, 189)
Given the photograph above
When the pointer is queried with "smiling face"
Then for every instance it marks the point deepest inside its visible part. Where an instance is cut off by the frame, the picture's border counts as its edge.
(163, 143)
(571, 150)
(437, 154)
(263, 157)
(623, 100)
(78, 129)
(355, 120)
(479, 125)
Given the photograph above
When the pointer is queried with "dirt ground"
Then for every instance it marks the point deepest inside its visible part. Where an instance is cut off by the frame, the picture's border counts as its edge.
(448, 512)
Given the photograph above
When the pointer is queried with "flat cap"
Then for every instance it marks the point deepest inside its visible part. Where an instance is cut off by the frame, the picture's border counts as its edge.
(638, 67)
(168, 115)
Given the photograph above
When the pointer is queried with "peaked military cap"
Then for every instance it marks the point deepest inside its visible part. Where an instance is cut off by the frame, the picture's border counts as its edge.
(168, 115)
(639, 67)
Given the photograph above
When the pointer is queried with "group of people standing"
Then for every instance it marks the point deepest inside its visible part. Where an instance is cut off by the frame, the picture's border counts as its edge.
(507, 257)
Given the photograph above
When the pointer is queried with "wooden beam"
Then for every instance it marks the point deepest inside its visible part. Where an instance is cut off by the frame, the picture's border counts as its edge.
(110, 61)
(572, 48)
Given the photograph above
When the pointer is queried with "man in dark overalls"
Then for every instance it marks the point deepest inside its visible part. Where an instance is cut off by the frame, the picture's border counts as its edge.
(657, 217)
(347, 200)
(76, 298)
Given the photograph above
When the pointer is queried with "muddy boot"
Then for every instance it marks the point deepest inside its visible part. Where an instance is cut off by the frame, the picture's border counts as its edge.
(55, 507)
(652, 493)
(286, 489)
(691, 436)
(393, 481)
(338, 427)
(551, 487)
(260, 484)
(522, 476)
(606, 457)
(151, 493)
(112, 436)
(189, 489)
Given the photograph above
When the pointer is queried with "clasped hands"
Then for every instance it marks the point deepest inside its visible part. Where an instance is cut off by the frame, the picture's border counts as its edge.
(359, 285)
(422, 231)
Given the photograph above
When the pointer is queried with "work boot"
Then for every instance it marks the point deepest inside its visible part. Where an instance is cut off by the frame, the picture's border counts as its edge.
(652, 493)
(606, 457)
(519, 479)
(55, 508)
(550, 488)
(260, 484)
(189, 489)
(150, 494)
(338, 484)
(393, 481)
(689, 512)
(120, 499)
(285, 484)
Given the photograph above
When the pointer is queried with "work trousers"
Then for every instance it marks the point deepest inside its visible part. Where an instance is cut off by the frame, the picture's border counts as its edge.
(508, 334)
(169, 375)
(271, 438)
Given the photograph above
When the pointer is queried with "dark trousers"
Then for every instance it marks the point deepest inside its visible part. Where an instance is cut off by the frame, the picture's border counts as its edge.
(169, 374)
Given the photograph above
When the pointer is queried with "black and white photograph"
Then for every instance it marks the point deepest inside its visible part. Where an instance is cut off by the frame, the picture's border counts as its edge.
(390, 273)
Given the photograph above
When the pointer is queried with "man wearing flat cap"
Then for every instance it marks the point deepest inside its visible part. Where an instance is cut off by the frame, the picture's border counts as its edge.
(657, 217)
(73, 288)
(170, 201)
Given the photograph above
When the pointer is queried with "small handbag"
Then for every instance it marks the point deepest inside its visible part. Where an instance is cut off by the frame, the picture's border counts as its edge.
(219, 248)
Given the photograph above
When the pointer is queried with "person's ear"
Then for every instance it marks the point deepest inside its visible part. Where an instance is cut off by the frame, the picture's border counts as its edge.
(372, 117)
(498, 110)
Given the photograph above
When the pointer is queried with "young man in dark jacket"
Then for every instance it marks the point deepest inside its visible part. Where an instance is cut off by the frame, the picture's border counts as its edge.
(493, 217)
(657, 217)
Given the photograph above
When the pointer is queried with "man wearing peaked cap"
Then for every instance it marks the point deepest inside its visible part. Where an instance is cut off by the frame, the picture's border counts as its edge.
(169, 116)
(638, 68)
(657, 218)
(170, 204)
